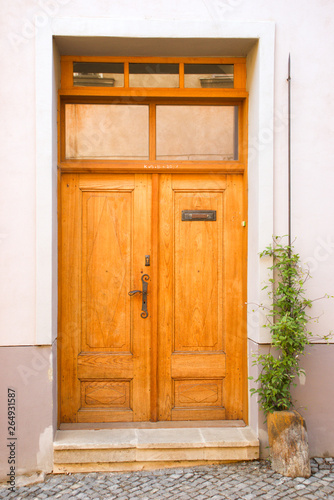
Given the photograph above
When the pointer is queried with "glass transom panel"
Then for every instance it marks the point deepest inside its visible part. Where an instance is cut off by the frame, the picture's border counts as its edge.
(107, 131)
(209, 76)
(199, 133)
(153, 75)
(98, 74)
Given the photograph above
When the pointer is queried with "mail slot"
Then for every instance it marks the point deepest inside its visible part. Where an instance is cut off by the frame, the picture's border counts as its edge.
(204, 215)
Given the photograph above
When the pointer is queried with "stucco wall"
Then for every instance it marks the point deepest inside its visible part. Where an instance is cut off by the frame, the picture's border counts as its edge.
(309, 43)
(27, 371)
(306, 30)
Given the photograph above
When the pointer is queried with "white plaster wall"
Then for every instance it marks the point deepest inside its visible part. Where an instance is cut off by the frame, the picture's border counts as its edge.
(304, 30)
(17, 171)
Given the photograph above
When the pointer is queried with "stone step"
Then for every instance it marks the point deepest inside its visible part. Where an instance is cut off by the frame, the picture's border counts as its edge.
(137, 449)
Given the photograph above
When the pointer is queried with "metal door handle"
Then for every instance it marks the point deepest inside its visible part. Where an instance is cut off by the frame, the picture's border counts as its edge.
(144, 280)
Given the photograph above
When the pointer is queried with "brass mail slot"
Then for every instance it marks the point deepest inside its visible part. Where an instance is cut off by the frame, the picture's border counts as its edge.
(206, 215)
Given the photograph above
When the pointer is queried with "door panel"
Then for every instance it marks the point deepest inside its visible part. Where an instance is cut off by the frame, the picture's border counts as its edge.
(107, 351)
(200, 280)
(106, 224)
(106, 265)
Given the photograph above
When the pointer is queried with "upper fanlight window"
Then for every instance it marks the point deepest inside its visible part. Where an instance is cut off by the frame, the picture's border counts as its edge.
(98, 74)
(152, 75)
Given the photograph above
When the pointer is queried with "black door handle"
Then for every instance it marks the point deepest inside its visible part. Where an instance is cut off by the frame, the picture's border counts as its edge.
(144, 280)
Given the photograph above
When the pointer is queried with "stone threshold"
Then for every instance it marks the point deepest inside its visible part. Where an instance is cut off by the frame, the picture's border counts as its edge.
(153, 425)
(151, 448)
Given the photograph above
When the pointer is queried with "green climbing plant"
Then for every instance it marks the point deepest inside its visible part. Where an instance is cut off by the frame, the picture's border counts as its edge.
(287, 319)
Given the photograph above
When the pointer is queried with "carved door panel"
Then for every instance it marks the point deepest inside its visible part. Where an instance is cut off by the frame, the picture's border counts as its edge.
(104, 341)
(107, 349)
(201, 302)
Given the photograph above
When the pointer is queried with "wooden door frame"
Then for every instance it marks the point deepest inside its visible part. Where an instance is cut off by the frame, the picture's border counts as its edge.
(153, 96)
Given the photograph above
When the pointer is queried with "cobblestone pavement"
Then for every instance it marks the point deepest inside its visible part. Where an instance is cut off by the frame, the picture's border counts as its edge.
(244, 481)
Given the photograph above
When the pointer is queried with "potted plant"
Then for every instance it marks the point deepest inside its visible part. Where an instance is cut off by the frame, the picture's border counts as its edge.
(287, 319)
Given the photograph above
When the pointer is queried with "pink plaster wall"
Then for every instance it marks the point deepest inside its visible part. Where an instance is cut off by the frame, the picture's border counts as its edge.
(27, 370)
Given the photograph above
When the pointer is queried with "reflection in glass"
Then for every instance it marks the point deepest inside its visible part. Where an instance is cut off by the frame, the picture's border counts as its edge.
(197, 133)
(97, 74)
(209, 76)
(106, 131)
(153, 75)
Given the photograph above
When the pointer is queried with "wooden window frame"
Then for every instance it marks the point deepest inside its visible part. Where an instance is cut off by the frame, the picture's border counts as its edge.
(238, 96)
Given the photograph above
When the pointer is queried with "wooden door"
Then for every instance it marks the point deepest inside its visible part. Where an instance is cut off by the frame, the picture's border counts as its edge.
(195, 345)
(201, 299)
(104, 341)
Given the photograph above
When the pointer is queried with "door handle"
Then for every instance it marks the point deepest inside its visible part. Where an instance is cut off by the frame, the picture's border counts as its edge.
(144, 280)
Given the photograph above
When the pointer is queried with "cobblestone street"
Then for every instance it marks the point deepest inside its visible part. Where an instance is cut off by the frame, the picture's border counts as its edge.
(246, 481)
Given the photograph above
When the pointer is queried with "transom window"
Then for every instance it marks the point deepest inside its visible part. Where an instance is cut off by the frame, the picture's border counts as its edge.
(137, 113)
(179, 132)
(149, 74)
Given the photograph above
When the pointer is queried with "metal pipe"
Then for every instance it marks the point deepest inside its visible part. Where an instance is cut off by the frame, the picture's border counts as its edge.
(289, 151)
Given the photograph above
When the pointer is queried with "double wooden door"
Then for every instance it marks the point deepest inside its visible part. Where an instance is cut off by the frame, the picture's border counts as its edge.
(182, 360)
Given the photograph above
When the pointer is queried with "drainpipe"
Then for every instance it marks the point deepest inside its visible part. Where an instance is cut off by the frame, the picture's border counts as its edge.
(289, 151)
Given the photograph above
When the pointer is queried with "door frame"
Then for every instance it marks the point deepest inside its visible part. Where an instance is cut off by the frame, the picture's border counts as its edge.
(68, 93)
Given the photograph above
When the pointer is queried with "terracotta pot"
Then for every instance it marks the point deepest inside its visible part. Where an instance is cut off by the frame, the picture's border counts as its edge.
(288, 444)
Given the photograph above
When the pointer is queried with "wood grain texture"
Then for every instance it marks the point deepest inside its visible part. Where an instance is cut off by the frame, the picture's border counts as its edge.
(197, 392)
(235, 325)
(197, 293)
(124, 182)
(126, 74)
(106, 266)
(192, 307)
(70, 303)
(108, 394)
(59, 290)
(84, 92)
(66, 79)
(162, 59)
(240, 75)
(104, 366)
(197, 365)
(141, 327)
(165, 302)
(103, 415)
(198, 414)
(104, 342)
(154, 297)
(151, 166)
(244, 121)
(198, 346)
(181, 75)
